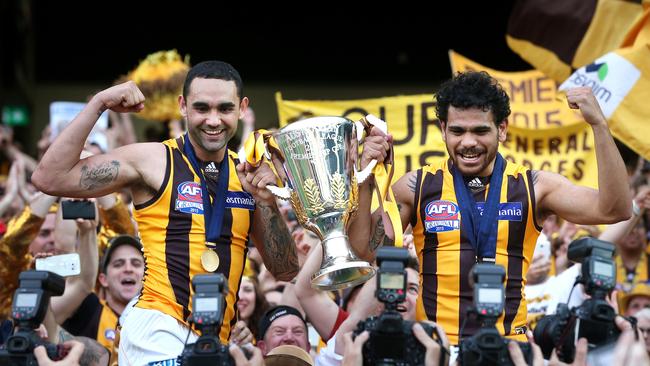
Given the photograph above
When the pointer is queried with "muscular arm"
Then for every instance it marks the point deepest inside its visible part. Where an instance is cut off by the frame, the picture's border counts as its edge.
(319, 307)
(612, 202)
(368, 232)
(61, 172)
(272, 238)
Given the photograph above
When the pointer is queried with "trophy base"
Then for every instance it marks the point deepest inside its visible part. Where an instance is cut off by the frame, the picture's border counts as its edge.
(342, 275)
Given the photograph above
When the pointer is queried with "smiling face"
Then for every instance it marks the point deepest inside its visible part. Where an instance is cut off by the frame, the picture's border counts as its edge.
(472, 139)
(288, 329)
(247, 297)
(123, 277)
(212, 109)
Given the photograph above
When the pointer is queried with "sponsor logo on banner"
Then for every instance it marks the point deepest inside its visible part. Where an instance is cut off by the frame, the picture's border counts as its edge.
(441, 216)
(611, 77)
(240, 200)
(508, 211)
(190, 199)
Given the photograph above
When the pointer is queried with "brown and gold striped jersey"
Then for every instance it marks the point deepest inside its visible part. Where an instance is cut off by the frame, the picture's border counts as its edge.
(172, 230)
(447, 257)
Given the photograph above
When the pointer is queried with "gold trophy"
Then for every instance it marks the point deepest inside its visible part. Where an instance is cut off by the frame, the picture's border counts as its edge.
(316, 159)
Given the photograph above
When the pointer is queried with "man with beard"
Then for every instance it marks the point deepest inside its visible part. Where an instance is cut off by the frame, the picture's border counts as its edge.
(477, 207)
(196, 205)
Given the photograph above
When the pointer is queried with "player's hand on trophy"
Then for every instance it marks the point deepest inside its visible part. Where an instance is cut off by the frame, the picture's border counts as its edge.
(375, 146)
(255, 179)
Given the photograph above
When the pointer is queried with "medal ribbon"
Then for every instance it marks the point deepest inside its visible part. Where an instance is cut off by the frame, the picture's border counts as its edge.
(483, 227)
(213, 212)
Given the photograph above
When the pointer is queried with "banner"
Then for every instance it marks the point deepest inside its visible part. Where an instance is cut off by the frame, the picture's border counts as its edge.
(543, 134)
(534, 100)
(620, 81)
(558, 37)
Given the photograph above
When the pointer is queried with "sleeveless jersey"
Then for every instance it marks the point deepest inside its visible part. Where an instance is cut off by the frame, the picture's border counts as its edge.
(446, 255)
(172, 231)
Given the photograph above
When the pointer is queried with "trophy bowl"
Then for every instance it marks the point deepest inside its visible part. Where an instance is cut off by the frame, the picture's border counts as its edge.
(316, 159)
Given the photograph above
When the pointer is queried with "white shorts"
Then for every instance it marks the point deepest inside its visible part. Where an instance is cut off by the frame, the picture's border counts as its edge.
(149, 337)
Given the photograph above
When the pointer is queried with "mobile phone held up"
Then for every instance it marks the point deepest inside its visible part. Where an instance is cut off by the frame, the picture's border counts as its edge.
(64, 265)
(78, 209)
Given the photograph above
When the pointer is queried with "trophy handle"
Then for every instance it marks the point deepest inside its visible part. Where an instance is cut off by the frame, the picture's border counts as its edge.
(373, 122)
(283, 193)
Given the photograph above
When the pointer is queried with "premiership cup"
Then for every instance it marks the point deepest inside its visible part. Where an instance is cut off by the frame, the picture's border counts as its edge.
(316, 158)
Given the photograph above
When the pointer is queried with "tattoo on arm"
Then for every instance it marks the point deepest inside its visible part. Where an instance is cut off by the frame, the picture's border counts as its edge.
(279, 250)
(379, 237)
(93, 177)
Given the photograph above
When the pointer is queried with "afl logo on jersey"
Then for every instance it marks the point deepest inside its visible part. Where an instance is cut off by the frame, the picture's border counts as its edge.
(441, 216)
(190, 199)
(190, 191)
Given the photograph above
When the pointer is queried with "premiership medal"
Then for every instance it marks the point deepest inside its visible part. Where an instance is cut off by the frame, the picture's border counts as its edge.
(210, 260)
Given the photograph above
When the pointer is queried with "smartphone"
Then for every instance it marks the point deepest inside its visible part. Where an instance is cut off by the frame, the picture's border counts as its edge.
(64, 265)
(78, 209)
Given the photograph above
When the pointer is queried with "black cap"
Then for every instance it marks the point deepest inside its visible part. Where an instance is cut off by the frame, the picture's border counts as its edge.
(116, 242)
(274, 313)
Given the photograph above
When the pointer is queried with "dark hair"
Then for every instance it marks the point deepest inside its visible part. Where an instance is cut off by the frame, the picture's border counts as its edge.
(213, 70)
(261, 306)
(473, 89)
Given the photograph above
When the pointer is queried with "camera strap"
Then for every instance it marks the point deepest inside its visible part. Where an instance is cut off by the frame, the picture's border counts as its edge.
(483, 224)
(213, 210)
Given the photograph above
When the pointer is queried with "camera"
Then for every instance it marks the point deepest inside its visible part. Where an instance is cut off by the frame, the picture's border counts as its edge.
(594, 318)
(391, 340)
(487, 346)
(28, 309)
(208, 305)
(78, 209)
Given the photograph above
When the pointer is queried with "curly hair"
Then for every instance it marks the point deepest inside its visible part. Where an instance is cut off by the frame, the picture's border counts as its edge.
(473, 89)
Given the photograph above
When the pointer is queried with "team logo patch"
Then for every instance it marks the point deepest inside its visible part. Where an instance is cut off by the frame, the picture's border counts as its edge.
(508, 211)
(109, 334)
(441, 216)
(240, 200)
(190, 198)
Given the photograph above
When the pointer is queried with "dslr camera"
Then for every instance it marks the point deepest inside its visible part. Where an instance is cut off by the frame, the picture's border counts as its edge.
(28, 309)
(594, 318)
(487, 346)
(208, 305)
(391, 340)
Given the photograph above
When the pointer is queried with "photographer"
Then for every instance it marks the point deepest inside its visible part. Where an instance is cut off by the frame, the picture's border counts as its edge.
(369, 305)
(353, 355)
(596, 319)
